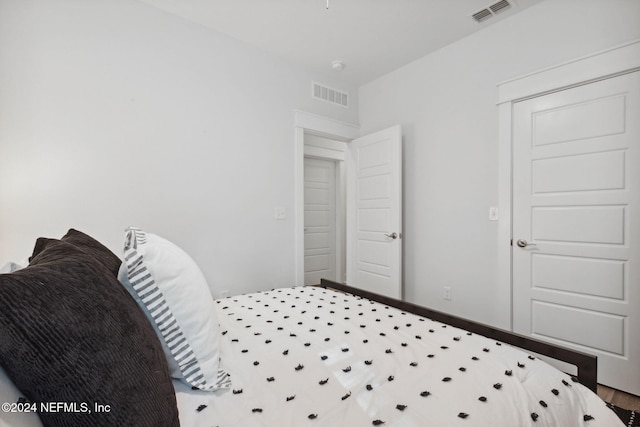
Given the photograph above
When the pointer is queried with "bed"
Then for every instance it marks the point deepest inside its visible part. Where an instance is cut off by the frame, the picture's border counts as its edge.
(325, 355)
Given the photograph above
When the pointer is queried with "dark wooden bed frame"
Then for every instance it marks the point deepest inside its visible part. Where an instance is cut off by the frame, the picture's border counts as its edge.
(586, 364)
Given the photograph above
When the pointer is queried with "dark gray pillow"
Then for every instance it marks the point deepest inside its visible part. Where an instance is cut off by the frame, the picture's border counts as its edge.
(89, 246)
(69, 332)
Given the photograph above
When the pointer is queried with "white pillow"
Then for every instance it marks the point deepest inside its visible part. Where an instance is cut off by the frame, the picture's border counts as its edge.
(11, 266)
(174, 295)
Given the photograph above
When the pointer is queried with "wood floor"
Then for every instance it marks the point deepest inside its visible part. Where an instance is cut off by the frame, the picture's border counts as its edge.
(619, 398)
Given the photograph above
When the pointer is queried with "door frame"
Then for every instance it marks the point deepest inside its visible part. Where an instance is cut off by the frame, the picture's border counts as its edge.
(305, 122)
(601, 65)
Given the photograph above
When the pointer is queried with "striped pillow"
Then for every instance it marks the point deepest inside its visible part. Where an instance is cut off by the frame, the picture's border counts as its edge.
(174, 295)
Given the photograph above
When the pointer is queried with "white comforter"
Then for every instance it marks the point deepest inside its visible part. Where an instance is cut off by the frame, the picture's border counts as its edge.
(309, 356)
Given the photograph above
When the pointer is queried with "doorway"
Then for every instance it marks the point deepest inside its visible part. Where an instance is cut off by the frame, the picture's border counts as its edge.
(373, 171)
(307, 127)
(324, 210)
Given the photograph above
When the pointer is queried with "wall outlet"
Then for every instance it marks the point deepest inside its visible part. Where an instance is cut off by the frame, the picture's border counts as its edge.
(446, 293)
(280, 213)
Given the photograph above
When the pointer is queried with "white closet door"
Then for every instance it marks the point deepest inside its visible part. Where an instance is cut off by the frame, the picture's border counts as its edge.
(319, 220)
(576, 223)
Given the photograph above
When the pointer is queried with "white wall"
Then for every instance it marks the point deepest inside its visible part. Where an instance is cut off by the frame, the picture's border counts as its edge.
(113, 113)
(446, 103)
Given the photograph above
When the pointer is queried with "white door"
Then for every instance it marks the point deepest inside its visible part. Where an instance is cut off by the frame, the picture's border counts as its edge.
(374, 212)
(319, 220)
(576, 223)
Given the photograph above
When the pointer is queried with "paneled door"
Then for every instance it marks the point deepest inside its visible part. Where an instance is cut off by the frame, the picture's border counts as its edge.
(576, 223)
(319, 220)
(374, 212)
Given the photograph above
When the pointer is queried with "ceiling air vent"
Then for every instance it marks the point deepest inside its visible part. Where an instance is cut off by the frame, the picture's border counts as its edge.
(491, 10)
(325, 93)
(501, 5)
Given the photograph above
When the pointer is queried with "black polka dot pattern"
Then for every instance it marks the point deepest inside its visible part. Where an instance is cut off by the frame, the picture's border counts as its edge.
(310, 356)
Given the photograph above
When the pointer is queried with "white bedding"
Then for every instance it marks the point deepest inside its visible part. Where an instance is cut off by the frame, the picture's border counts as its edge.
(314, 357)
(380, 366)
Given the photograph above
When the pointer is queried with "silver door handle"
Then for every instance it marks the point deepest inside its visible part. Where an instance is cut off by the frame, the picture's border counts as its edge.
(393, 235)
(523, 243)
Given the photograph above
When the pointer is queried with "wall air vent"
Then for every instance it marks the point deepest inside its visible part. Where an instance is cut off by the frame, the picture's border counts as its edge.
(491, 10)
(325, 93)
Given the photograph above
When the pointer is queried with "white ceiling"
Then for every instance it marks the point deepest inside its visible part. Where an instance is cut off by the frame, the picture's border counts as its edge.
(371, 37)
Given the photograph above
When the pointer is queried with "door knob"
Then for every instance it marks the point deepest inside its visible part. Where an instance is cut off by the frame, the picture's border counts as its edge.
(393, 235)
(523, 243)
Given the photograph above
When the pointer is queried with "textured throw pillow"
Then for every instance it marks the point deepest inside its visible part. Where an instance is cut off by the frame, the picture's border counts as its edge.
(72, 337)
(92, 247)
(174, 295)
(89, 246)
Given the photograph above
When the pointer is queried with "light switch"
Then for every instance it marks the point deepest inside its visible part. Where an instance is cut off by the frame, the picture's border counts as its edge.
(493, 213)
